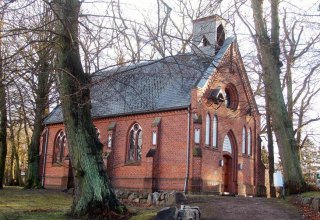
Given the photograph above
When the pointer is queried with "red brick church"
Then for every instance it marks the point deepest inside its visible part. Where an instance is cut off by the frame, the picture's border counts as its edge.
(188, 122)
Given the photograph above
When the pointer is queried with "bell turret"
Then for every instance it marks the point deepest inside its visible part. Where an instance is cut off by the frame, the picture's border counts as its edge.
(208, 35)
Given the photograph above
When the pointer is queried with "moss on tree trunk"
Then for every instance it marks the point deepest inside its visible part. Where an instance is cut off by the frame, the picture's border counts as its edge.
(93, 192)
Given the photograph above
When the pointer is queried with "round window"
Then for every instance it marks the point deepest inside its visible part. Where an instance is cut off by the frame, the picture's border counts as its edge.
(232, 98)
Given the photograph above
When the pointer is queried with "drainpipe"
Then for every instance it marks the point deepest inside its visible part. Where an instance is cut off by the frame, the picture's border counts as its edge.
(45, 156)
(188, 154)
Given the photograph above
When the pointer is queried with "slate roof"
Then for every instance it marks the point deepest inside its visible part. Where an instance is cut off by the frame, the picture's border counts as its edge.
(149, 86)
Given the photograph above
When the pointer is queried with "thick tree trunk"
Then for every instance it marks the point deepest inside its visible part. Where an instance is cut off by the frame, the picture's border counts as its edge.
(281, 124)
(33, 179)
(15, 175)
(93, 191)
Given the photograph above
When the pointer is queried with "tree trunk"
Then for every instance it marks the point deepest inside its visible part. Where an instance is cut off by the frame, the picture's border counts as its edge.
(33, 179)
(17, 175)
(14, 157)
(11, 170)
(93, 191)
(3, 117)
(283, 129)
(3, 127)
(17, 157)
(14, 167)
(270, 152)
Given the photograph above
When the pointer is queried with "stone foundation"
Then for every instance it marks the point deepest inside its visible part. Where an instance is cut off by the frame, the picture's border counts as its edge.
(313, 203)
(152, 199)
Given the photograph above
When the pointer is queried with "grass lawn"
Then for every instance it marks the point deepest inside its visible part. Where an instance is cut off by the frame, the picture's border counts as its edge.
(18, 203)
(311, 194)
(21, 204)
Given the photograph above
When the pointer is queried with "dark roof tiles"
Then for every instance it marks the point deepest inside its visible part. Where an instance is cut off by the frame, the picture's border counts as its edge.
(144, 87)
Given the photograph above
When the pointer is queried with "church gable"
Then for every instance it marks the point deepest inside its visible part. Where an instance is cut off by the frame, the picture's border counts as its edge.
(226, 81)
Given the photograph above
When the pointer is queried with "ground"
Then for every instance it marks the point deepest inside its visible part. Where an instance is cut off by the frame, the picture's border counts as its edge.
(227, 208)
(17, 203)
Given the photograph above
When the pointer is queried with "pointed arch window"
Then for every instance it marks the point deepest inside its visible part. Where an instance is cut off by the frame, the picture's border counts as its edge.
(97, 132)
(215, 131)
(135, 143)
(208, 121)
(227, 144)
(59, 147)
(249, 141)
(220, 35)
(244, 134)
(205, 42)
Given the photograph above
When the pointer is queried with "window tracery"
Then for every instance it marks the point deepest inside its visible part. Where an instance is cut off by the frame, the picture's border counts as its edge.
(59, 147)
(135, 143)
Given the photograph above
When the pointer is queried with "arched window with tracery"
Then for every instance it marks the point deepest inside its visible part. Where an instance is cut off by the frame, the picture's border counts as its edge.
(59, 147)
(214, 131)
(208, 121)
(135, 143)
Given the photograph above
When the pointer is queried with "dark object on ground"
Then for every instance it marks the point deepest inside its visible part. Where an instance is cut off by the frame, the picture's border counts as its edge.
(168, 213)
(185, 213)
(189, 213)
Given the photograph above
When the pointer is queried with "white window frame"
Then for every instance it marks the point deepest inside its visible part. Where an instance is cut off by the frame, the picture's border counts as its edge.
(207, 137)
(249, 141)
(214, 131)
(197, 135)
(109, 140)
(244, 133)
(154, 138)
(227, 145)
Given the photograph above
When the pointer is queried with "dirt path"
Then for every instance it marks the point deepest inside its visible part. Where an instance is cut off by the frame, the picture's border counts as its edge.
(238, 208)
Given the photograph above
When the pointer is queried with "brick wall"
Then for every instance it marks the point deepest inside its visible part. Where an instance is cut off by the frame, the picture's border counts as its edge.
(170, 162)
(165, 169)
(229, 121)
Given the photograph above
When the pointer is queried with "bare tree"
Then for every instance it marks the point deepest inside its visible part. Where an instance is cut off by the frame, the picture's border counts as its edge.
(43, 69)
(269, 49)
(295, 50)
